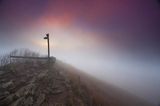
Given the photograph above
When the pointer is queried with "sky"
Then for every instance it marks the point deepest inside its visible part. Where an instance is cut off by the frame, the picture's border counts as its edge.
(114, 40)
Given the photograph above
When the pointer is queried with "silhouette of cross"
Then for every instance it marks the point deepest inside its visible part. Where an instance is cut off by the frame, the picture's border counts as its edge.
(47, 37)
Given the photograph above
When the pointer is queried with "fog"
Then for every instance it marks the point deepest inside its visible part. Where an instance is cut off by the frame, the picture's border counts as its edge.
(115, 41)
(137, 76)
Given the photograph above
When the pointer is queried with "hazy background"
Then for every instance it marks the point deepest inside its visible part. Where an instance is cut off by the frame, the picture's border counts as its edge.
(117, 41)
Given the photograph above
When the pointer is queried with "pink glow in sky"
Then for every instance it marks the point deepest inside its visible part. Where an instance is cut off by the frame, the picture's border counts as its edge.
(114, 40)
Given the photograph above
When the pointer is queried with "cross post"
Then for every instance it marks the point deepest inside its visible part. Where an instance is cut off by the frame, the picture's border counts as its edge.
(47, 37)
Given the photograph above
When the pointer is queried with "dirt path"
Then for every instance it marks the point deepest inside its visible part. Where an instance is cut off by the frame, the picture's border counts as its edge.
(36, 85)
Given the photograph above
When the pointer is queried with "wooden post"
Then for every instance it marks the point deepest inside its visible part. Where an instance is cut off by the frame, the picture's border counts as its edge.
(47, 37)
(48, 45)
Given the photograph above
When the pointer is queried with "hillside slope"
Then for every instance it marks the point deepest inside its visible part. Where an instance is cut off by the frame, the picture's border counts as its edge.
(101, 93)
(37, 84)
